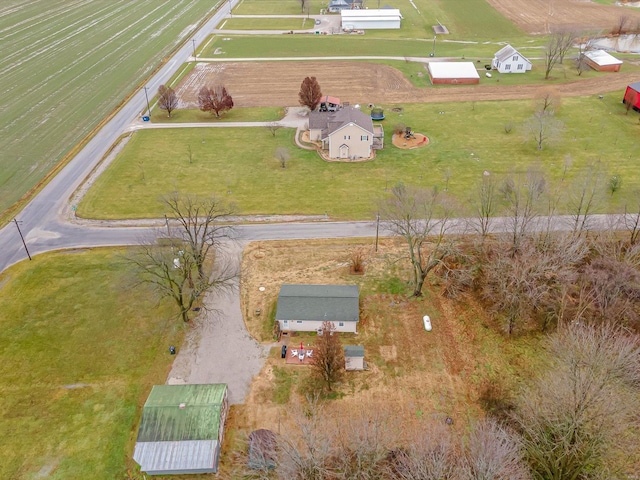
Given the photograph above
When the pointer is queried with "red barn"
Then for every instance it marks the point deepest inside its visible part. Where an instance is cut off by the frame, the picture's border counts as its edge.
(632, 96)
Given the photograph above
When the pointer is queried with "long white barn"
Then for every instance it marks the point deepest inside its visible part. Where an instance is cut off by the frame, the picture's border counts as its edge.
(382, 19)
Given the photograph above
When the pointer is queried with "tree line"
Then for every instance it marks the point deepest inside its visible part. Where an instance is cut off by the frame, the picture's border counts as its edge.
(215, 100)
(576, 419)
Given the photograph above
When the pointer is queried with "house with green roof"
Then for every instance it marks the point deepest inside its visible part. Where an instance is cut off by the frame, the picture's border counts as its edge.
(181, 429)
(303, 308)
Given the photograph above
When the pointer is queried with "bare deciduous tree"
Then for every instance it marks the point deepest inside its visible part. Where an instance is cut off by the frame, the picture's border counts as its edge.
(493, 452)
(364, 442)
(631, 218)
(585, 44)
(523, 287)
(273, 127)
(198, 222)
(422, 218)
(570, 417)
(306, 453)
(543, 128)
(167, 99)
(585, 197)
(188, 259)
(172, 270)
(486, 205)
(621, 26)
(310, 93)
(559, 44)
(522, 194)
(328, 356)
(215, 100)
(282, 155)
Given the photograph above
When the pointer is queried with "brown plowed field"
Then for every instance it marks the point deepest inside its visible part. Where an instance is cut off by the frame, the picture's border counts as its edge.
(543, 16)
(276, 84)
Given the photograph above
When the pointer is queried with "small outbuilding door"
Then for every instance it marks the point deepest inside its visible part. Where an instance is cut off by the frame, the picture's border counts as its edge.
(344, 151)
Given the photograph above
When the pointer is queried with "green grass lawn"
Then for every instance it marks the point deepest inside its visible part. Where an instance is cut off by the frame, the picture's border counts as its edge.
(267, 24)
(81, 347)
(257, 114)
(241, 46)
(65, 65)
(468, 19)
(466, 140)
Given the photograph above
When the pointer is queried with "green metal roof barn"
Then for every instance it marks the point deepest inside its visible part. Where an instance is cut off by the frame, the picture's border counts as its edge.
(182, 429)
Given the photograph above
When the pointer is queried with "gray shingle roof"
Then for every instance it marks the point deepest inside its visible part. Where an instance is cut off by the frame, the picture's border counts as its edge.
(507, 51)
(335, 303)
(354, 350)
(329, 122)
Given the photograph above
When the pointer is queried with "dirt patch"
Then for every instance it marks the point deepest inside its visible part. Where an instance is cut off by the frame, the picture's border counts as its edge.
(416, 141)
(544, 16)
(274, 84)
(389, 352)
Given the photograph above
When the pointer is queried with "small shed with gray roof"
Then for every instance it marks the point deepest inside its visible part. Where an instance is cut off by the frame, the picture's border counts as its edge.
(303, 308)
(182, 428)
(354, 357)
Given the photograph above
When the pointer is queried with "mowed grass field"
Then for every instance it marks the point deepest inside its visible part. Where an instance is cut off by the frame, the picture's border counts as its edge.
(65, 64)
(261, 46)
(466, 140)
(469, 19)
(81, 347)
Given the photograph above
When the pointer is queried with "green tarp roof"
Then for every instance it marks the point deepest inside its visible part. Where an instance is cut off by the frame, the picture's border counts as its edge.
(334, 303)
(164, 420)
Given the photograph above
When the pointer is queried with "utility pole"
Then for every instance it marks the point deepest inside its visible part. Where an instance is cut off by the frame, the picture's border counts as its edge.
(147, 97)
(193, 40)
(23, 242)
(433, 52)
(377, 229)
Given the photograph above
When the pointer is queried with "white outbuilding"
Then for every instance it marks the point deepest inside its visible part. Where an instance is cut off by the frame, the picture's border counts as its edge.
(382, 19)
(453, 73)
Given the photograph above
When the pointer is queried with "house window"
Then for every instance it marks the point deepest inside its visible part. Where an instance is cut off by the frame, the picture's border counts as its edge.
(515, 58)
(298, 321)
(347, 137)
(507, 67)
(341, 324)
(520, 66)
(364, 138)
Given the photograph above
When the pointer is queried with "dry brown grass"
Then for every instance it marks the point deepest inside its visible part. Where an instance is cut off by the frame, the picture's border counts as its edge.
(415, 373)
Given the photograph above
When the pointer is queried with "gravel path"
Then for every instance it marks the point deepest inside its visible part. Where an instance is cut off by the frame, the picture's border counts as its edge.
(219, 349)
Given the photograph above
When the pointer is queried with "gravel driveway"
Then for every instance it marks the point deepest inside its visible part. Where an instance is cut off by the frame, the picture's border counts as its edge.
(219, 349)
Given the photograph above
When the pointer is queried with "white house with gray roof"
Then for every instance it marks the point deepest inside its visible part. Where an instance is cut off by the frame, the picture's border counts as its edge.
(509, 60)
(347, 133)
(303, 308)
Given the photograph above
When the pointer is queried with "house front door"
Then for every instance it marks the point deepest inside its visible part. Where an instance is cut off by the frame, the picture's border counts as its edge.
(344, 151)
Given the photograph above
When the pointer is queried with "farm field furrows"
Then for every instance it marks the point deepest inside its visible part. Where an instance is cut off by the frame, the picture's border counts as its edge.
(274, 84)
(65, 64)
(541, 16)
